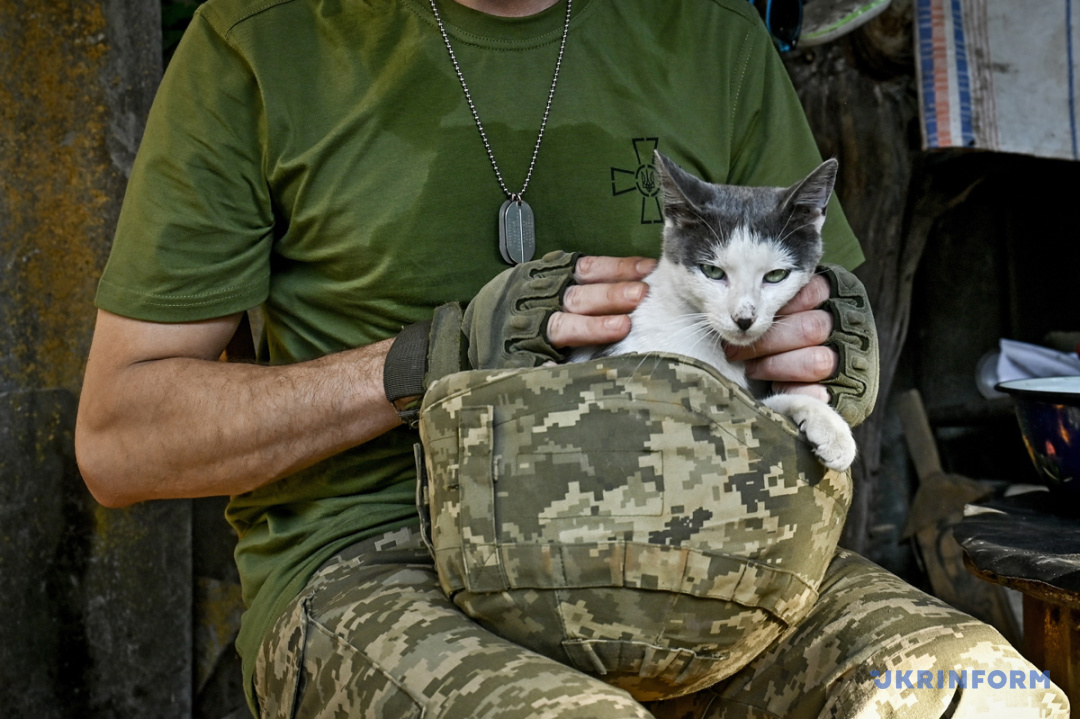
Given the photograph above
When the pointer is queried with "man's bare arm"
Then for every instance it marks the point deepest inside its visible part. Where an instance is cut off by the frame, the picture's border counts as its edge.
(160, 417)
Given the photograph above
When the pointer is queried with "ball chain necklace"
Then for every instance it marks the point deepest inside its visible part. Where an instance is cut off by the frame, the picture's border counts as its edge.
(517, 227)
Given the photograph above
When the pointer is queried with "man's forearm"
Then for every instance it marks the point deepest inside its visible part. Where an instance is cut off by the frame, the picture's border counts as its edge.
(191, 427)
(160, 417)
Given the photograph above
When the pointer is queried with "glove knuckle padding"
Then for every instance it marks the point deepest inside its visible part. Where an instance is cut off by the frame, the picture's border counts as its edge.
(853, 391)
(504, 326)
(506, 322)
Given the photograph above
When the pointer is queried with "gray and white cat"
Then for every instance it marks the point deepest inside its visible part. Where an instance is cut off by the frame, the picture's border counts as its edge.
(732, 256)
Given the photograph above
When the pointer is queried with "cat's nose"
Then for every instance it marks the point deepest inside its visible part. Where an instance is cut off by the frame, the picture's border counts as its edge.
(744, 322)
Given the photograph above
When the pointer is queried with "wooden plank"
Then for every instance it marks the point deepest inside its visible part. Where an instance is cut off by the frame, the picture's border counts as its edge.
(917, 432)
(1052, 643)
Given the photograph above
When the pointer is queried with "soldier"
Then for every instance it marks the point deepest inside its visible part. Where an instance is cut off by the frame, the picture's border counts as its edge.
(350, 166)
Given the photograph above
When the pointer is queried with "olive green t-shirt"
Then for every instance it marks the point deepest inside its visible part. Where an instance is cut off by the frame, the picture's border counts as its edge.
(318, 157)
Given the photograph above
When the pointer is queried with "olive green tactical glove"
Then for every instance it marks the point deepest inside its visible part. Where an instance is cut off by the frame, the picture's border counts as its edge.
(504, 326)
(507, 320)
(853, 391)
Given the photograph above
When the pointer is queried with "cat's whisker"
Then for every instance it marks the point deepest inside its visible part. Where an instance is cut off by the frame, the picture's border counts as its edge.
(645, 358)
(698, 332)
(692, 334)
(709, 226)
(786, 223)
(687, 338)
(784, 237)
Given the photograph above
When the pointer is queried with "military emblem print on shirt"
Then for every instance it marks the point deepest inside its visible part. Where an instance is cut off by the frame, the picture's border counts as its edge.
(643, 179)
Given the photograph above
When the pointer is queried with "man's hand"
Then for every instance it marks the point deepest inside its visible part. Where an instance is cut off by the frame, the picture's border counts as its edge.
(833, 309)
(791, 354)
(524, 317)
(596, 308)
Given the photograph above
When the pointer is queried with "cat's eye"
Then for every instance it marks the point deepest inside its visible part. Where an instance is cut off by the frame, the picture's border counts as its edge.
(712, 272)
(776, 276)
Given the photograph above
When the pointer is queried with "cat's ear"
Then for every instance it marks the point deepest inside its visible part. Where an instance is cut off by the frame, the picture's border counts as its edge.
(813, 193)
(683, 194)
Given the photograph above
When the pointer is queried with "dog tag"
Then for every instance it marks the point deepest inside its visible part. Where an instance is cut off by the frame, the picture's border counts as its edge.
(517, 232)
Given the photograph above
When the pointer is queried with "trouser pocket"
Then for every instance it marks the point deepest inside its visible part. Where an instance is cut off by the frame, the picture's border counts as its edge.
(277, 668)
(307, 671)
(423, 496)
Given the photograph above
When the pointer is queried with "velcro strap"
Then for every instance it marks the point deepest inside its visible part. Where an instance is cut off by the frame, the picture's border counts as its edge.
(406, 363)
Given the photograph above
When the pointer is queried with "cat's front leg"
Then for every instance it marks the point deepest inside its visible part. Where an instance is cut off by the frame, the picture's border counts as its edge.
(824, 428)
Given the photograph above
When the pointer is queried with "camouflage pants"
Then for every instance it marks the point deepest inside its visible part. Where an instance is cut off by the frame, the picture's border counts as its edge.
(372, 635)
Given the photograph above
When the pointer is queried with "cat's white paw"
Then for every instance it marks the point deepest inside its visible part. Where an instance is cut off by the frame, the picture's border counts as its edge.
(826, 430)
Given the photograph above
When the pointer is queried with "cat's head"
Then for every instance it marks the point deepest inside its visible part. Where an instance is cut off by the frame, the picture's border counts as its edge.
(742, 252)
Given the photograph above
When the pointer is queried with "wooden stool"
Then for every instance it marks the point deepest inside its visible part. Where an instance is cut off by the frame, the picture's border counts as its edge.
(1024, 546)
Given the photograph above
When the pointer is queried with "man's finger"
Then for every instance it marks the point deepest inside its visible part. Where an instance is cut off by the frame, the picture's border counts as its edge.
(565, 329)
(811, 296)
(809, 364)
(813, 390)
(591, 269)
(604, 298)
(791, 332)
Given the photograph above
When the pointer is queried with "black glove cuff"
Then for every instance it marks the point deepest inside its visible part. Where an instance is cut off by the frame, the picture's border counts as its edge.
(404, 369)
(422, 353)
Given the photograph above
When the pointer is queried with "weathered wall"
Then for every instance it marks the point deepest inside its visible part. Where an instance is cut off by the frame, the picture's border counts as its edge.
(97, 603)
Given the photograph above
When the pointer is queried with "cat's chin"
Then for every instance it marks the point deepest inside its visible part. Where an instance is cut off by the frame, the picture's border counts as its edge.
(740, 340)
(730, 337)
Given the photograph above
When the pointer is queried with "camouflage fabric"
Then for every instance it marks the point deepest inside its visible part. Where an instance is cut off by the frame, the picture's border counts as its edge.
(875, 647)
(641, 519)
(373, 636)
